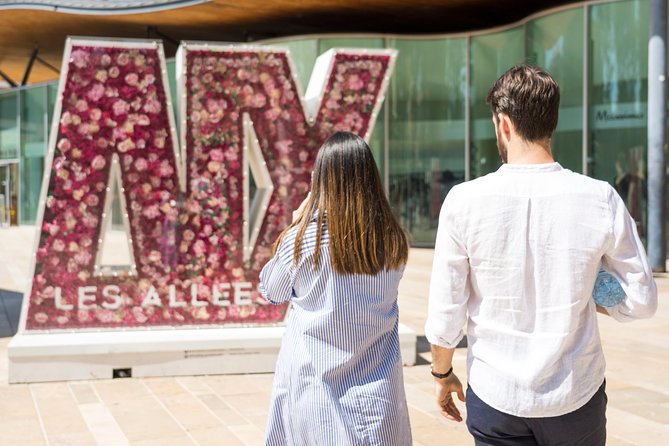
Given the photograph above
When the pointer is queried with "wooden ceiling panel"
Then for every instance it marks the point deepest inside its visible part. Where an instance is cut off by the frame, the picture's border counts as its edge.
(246, 20)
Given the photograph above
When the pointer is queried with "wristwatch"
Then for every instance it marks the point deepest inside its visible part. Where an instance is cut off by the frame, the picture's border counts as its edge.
(441, 375)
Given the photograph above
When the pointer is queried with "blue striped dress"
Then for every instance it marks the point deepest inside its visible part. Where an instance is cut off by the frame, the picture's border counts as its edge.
(338, 377)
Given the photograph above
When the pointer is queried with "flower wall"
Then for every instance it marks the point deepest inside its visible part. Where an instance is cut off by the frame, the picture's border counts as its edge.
(185, 213)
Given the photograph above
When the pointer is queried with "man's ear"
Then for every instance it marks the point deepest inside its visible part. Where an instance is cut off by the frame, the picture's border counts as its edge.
(505, 124)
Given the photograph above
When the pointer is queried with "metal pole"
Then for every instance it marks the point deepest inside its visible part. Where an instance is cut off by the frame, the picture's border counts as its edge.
(657, 121)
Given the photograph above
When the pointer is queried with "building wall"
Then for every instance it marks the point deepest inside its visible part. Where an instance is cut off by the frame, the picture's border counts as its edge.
(434, 130)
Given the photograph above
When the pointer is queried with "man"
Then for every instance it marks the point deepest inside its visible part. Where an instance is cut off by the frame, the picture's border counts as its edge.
(516, 258)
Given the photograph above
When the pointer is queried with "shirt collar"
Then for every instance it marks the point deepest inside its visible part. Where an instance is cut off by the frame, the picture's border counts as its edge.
(530, 168)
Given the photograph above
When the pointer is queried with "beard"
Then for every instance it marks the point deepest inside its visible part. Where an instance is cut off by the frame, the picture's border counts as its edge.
(501, 148)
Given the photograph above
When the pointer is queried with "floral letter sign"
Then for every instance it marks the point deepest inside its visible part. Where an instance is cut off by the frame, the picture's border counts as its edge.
(201, 213)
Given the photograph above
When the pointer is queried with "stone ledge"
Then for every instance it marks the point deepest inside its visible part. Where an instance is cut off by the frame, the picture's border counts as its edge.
(207, 351)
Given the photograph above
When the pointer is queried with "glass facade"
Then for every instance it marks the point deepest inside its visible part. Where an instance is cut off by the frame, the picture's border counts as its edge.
(33, 105)
(9, 126)
(435, 128)
(618, 107)
(426, 130)
(555, 42)
(490, 56)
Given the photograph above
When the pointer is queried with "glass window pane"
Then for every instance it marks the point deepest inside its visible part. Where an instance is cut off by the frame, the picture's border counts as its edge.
(303, 54)
(9, 131)
(376, 143)
(52, 92)
(491, 55)
(33, 149)
(172, 83)
(618, 91)
(555, 43)
(426, 130)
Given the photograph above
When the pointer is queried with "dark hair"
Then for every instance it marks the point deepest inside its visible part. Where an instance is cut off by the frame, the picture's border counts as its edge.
(364, 234)
(531, 99)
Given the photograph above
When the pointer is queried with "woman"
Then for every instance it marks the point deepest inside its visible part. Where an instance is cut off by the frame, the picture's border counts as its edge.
(339, 374)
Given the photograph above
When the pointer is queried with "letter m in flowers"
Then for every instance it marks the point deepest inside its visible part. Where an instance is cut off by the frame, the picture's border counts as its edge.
(200, 211)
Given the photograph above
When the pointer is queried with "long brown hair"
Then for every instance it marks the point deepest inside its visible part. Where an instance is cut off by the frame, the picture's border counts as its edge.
(364, 235)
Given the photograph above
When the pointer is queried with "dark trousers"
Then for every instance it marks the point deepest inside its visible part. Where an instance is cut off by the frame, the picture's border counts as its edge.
(583, 427)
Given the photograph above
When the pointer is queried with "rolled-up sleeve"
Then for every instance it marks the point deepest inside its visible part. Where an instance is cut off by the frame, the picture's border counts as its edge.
(626, 260)
(449, 289)
(278, 275)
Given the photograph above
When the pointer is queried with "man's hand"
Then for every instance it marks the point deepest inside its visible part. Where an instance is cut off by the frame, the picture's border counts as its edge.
(443, 389)
(602, 310)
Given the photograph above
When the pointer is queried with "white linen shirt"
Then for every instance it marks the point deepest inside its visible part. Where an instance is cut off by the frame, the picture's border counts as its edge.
(516, 258)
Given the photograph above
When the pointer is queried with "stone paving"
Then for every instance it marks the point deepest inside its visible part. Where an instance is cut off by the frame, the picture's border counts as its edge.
(231, 410)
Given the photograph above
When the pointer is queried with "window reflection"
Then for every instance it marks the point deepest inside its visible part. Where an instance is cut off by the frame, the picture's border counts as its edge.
(618, 91)
(426, 130)
(491, 55)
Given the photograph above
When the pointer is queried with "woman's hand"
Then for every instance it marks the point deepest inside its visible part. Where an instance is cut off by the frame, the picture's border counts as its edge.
(300, 210)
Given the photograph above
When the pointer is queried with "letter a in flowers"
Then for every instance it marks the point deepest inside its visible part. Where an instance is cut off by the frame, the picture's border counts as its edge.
(200, 211)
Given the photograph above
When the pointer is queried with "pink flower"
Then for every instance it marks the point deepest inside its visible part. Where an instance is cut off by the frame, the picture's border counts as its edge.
(114, 72)
(199, 247)
(141, 164)
(242, 74)
(213, 166)
(200, 313)
(53, 229)
(58, 245)
(155, 256)
(120, 107)
(95, 114)
(332, 104)
(125, 145)
(105, 60)
(152, 106)
(149, 79)
(92, 200)
(79, 58)
(284, 146)
(84, 129)
(143, 120)
(64, 145)
(95, 93)
(151, 211)
(81, 105)
(194, 207)
(273, 114)
(83, 257)
(98, 162)
(41, 317)
(214, 106)
(165, 169)
(131, 79)
(259, 100)
(123, 59)
(216, 155)
(66, 119)
(90, 221)
(355, 83)
(105, 316)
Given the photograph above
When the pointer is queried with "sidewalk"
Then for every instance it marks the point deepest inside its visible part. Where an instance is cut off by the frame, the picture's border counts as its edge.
(231, 410)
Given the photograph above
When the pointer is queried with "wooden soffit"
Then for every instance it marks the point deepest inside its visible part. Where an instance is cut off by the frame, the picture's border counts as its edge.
(44, 29)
